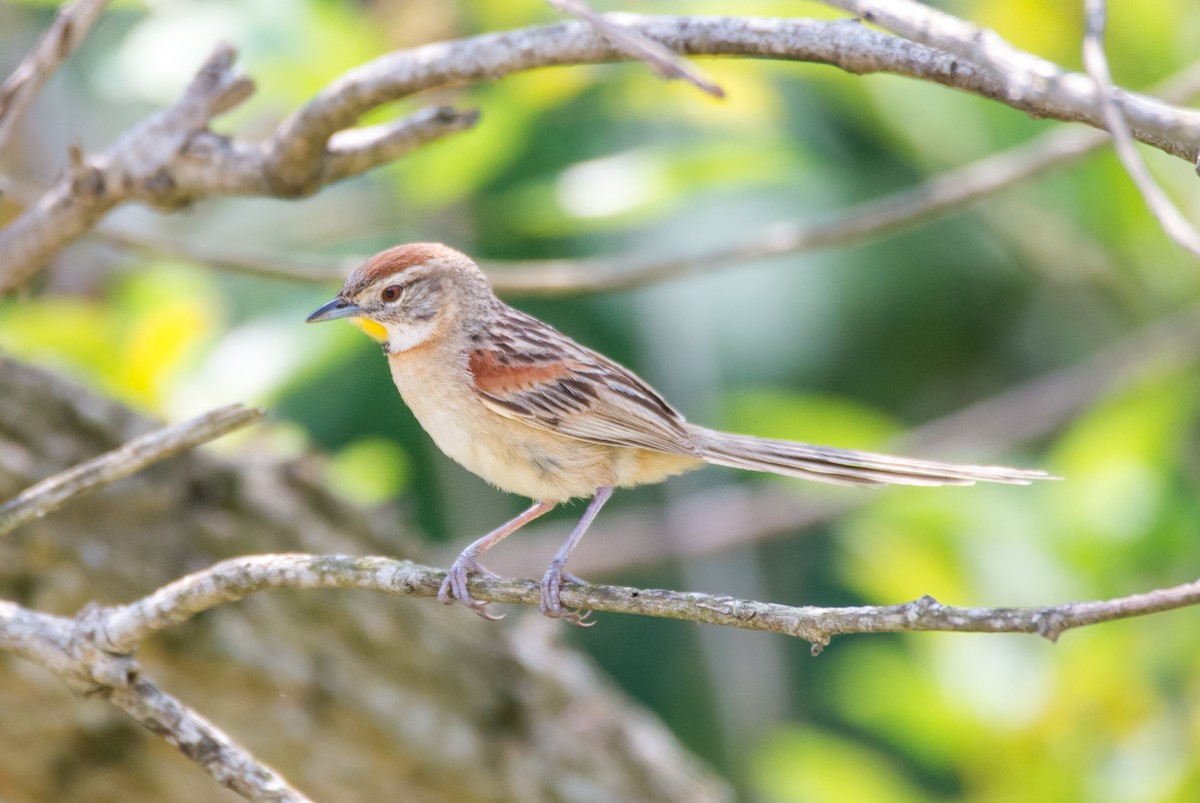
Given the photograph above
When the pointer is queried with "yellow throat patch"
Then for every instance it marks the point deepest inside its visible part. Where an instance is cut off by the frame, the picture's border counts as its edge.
(376, 331)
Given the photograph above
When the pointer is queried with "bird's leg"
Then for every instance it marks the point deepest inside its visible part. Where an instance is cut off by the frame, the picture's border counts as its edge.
(454, 587)
(551, 603)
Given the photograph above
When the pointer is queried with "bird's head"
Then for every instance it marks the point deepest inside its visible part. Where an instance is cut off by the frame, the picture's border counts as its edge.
(402, 297)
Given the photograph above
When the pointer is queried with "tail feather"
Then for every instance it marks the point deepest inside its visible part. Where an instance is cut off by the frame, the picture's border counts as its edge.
(846, 466)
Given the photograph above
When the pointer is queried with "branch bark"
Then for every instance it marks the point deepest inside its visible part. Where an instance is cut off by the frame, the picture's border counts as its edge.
(1026, 81)
(120, 630)
(18, 91)
(172, 159)
(54, 492)
(661, 60)
(67, 648)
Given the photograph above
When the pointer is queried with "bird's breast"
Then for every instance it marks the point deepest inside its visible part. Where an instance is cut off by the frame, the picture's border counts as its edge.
(509, 454)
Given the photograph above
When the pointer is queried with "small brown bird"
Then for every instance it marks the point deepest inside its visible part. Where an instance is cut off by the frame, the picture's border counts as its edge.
(534, 413)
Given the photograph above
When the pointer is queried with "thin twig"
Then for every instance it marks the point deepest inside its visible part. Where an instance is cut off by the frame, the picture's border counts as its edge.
(121, 629)
(1177, 227)
(946, 193)
(56, 45)
(660, 59)
(52, 493)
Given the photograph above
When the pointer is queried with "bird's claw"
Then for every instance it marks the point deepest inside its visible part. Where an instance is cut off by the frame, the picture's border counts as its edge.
(454, 587)
(551, 601)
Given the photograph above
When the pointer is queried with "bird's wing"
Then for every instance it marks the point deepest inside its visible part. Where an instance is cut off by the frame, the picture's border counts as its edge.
(525, 370)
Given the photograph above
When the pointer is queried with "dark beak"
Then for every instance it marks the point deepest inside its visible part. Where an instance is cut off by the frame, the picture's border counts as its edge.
(338, 308)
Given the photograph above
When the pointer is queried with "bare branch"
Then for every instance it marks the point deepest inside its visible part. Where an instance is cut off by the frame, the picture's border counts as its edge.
(406, 702)
(134, 168)
(56, 45)
(94, 649)
(1169, 217)
(272, 266)
(121, 629)
(171, 160)
(67, 648)
(659, 58)
(357, 150)
(844, 44)
(202, 742)
(54, 492)
(1028, 82)
(944, 194)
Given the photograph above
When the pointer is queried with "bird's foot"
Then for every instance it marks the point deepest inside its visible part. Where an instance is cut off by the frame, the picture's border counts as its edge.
(551, 602)
(454, 587)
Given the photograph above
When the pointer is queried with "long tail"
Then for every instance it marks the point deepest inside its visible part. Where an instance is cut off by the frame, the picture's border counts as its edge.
(847, 467)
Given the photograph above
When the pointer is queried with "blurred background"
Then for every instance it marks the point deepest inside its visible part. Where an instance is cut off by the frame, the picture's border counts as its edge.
(1049, 325)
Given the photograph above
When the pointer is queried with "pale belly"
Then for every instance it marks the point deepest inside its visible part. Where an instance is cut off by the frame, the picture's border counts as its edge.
(514, 456)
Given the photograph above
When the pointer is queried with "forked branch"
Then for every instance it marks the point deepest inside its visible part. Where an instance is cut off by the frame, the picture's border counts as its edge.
(172, 159)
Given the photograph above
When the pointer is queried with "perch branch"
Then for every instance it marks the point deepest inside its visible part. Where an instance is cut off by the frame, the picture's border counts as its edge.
(17, 92)
(93, 651)
(119, 630)
(54, 492)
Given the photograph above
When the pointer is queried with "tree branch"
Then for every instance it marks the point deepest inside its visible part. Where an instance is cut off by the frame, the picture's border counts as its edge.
(17, 92)
(1027, 81)
(845, 44)
(943, 194)
(67, 648)
(198, 740)
(940, 195)
(1168, 215)
(443, 716)
(56, 491)
(119, 630)
(172, 160)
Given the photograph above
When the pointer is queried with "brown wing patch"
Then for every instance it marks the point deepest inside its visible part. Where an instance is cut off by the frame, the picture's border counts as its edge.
(497, 374)
(533, 373)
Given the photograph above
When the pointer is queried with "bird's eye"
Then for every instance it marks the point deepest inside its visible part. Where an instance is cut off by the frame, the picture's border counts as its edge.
(391, 292)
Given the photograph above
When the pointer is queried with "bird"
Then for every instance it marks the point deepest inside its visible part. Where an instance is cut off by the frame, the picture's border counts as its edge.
(534, 413)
